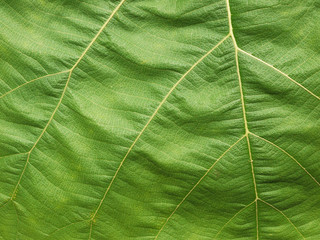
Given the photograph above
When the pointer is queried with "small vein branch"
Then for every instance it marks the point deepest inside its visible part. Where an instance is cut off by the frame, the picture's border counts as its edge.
(38, 139)
(187, 195)
(98, 34)
(33, 80)
(270, 205)
(90, 231)
(14, 154)
(5, 203)
(64, 227)
(151, 118)
(234, 216)
(289, 155)
(23, 170)
(282, 73)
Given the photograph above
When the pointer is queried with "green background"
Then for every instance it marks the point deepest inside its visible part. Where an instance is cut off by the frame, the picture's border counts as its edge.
(148, 119)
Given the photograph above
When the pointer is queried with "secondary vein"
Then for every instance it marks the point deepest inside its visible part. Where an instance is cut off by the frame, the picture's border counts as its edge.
(63, 94)
(282, 73)
(152, 117)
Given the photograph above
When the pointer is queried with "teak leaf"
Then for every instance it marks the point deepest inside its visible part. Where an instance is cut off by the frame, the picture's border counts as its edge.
(148, 119)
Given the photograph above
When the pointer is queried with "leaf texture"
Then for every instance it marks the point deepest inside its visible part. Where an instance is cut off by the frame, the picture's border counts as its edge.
(146, 119)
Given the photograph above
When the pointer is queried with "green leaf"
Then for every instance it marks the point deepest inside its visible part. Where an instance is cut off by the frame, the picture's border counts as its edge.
(147, 119)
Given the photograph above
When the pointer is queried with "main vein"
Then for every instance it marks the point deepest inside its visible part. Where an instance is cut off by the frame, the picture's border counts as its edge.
(63, 94)
(244, 112)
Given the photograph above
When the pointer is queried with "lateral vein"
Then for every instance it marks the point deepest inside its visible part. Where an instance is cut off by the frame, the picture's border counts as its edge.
(282, 73)
(278, 210)
(199, 181)
(289, 155)
(33, 80)
(151, 118)
(235, 215)
(63, 93)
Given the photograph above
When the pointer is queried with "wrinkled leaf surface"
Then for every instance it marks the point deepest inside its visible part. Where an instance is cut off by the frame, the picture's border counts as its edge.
(148, 119)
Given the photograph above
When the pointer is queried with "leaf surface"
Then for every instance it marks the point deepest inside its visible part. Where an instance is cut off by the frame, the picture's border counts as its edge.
(146, 119)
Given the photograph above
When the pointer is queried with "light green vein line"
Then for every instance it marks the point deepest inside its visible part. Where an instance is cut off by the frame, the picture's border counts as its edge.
(244, 111)
(64, 227)
(63, 93)
(282, 73)
(151, 118)
(289, 155)
(33, 80)
(187, 195)
(270, 205)
(14, 154)
(234, 216)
